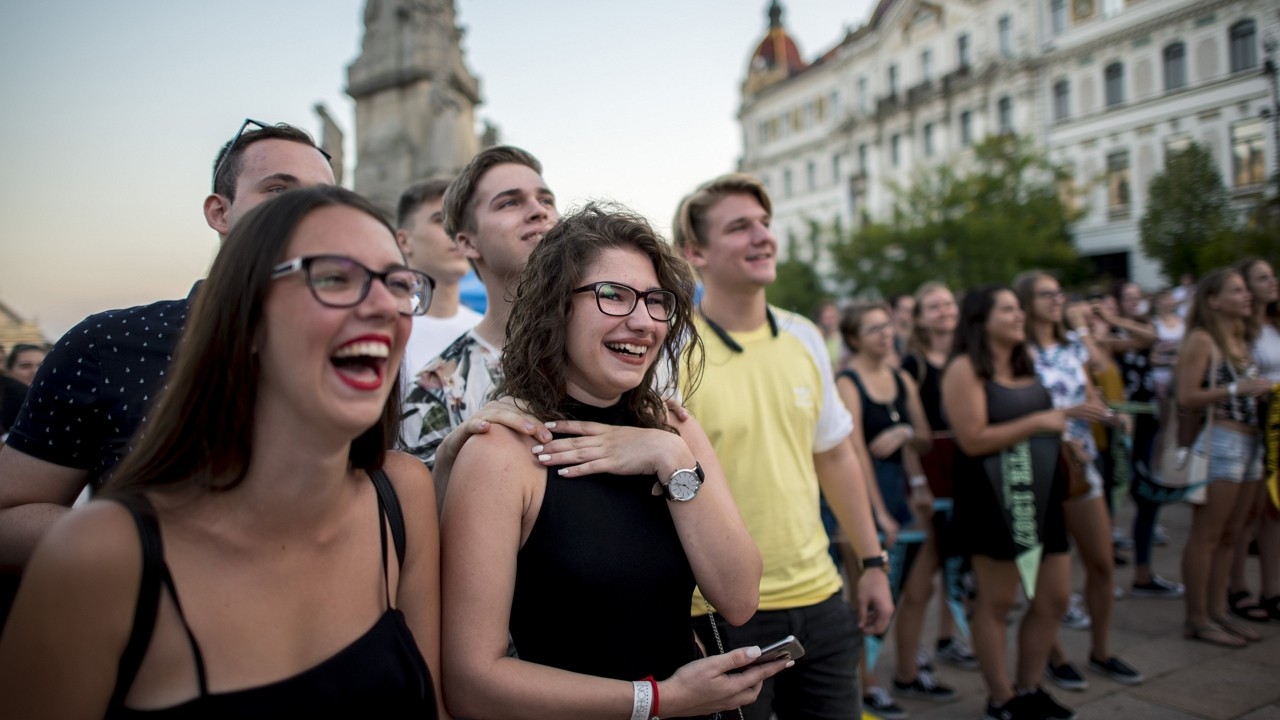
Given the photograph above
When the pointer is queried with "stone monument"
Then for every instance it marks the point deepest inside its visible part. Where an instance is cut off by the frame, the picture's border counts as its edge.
(415, 98)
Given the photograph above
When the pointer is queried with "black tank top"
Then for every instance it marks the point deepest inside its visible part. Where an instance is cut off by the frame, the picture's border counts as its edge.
(381, 674)
(602, 582)
(877, 416)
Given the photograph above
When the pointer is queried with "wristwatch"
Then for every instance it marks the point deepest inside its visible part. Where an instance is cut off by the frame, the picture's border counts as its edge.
(876, 561)
(683, 484)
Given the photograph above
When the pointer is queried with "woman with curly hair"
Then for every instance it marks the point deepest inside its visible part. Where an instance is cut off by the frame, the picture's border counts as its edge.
(588, 547)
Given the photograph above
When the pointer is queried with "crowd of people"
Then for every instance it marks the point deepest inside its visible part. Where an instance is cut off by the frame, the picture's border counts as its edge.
(322, 484)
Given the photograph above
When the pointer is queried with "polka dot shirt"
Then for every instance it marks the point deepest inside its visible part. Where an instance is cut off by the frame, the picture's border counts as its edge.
(96, 385)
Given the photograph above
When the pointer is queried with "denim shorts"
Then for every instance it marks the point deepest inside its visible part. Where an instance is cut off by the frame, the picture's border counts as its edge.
(1233, 456)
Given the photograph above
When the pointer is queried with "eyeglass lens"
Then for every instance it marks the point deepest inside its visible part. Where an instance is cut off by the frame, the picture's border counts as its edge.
(619, 300)
(342, 282)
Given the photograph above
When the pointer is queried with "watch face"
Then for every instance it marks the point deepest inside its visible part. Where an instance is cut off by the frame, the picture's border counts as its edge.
(684, 485)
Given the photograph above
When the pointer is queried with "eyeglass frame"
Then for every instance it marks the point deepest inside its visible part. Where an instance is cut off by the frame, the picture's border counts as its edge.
(639, 295)
(303, 263)
(235, 141)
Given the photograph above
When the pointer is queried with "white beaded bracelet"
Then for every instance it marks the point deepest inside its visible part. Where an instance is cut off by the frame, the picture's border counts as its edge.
(641, 700)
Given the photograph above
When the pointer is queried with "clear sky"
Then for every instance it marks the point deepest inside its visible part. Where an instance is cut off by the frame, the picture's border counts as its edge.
(115, 109)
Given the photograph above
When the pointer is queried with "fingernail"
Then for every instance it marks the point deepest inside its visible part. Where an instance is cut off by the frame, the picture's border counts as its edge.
(484, 424)
(753, 652)
(537, 449)
(544, 458)
(562, 471)
(790, 663)
(528, 427)
(551, 425)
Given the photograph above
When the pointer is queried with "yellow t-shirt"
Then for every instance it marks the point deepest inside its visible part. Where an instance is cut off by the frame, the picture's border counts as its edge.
(768, 410)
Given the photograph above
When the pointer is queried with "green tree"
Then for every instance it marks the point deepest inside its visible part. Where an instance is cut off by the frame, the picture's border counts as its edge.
(1003, 216)
(798, 287)
(1187, 226)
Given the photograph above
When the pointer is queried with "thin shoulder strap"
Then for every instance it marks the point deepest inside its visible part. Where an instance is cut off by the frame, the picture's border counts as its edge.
(857, 382)
(389, 506)
(144, 613)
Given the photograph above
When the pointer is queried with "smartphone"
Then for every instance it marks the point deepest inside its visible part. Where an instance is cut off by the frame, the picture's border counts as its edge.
(788, 648)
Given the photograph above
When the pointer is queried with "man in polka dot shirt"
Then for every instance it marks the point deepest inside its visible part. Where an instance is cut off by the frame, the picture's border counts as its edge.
(93, 390)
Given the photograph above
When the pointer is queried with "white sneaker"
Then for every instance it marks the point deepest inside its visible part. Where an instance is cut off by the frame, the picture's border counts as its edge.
(1076, 617)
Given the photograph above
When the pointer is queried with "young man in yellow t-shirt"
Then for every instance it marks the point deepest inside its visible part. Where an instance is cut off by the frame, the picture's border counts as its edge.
(767, 400)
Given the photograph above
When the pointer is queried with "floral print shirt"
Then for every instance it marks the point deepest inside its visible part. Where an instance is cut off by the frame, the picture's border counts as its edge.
(447, 391)
(1061, 369)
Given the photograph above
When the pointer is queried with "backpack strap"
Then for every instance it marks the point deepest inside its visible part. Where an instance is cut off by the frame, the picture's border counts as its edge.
(389, 505)
(145, 612)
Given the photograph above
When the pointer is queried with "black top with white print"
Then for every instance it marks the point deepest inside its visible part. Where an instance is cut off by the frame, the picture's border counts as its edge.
(96, 385)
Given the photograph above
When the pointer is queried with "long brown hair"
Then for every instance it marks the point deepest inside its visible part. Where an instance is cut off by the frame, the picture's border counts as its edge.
(202, 427)
(971, 335)
(1203, 317)
(1024, 286)
(1263, 313)
(535, 358)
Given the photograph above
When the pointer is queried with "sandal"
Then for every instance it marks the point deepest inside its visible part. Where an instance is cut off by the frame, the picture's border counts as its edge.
(1239, 631)
(1213, 634)
(1243, 606)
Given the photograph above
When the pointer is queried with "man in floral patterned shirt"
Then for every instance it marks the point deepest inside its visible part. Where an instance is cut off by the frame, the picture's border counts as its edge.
(497, 209)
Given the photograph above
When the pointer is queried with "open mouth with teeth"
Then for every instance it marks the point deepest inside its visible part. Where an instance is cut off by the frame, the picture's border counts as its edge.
(362, 364)
(629, 350)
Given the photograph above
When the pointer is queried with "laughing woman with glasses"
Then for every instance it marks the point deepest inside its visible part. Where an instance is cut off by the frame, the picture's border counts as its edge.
(259, 552)
(588, 547)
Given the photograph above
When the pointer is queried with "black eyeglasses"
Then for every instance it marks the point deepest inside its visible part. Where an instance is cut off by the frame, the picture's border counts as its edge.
(619, 300)
(235, 140)
(340, 282)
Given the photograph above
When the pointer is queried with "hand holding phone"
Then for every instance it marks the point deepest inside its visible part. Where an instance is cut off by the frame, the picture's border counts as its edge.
(788, 648)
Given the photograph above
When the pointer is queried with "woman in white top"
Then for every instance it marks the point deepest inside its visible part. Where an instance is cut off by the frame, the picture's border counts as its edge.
(1265, 526)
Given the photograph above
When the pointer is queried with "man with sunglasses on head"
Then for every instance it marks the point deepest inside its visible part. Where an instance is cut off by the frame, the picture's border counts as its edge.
(95, 386)
(769, 404)
(497, 210)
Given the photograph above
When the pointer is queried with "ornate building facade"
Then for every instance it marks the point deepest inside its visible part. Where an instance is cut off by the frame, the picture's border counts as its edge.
(1105, 87)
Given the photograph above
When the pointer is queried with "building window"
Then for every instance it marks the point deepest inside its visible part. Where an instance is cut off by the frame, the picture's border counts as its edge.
(786, 182)
(928, 140)
(1176, 143)
(895, 150)
(1247, 143)
(926, 66)
(893, 80)
(966, 128)
(811, 175)
(962, 50)
(1175, 66)
(1004, 113)
(1114, 75)
(864, 101)
(862, 158)
(1005, 27)
(1244, 50)
(1061, 100)
(835, 169)
(1111, 7)
(764, 132)
(1058, 15)
(1118, 183)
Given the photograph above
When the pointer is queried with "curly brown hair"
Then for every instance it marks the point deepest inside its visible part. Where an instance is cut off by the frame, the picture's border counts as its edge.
(535, 356)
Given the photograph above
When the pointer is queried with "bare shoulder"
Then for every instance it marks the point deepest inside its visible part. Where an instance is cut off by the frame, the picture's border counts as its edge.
(91, 556)
(499, 453)
(960, 368)
(409, 475)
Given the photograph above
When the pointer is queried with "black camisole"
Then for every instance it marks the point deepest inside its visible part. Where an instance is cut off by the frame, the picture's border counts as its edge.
(381, 674)
(602, 582)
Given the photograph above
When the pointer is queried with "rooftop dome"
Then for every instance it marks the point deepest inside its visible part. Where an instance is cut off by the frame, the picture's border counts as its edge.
(777, 54)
